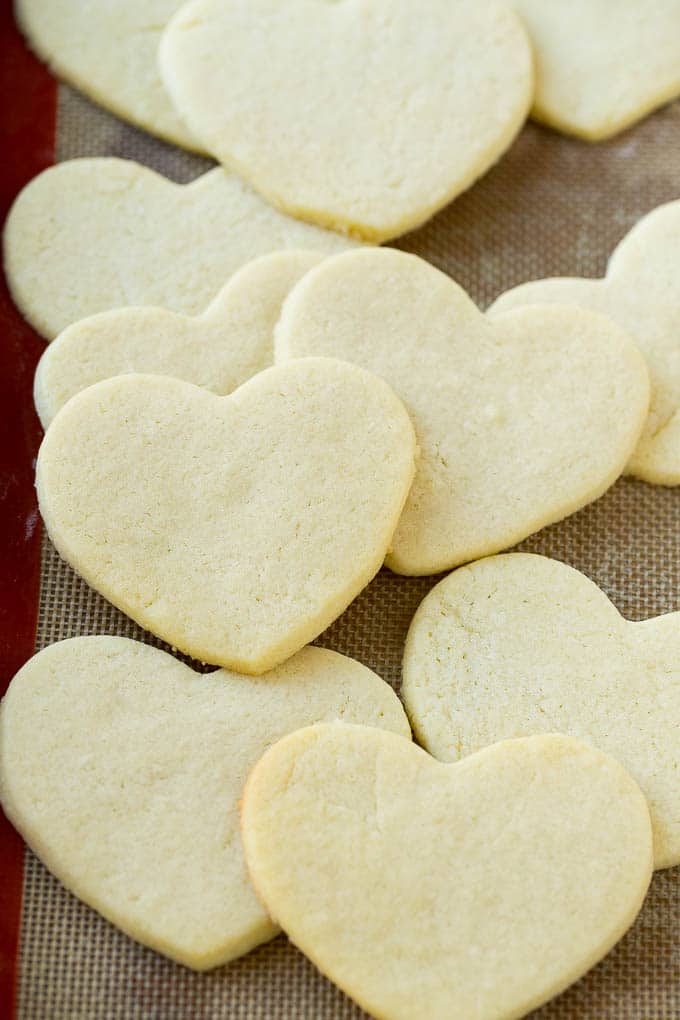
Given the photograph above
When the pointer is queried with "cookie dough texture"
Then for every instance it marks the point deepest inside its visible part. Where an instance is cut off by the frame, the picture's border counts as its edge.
(520, 421)
(122, 768)
(601, 66)
(220, 349)
(88, 235)
(641, 292)
(366, 115)
(109, 50)
(235, 528)
(520, 644)
(430, 891)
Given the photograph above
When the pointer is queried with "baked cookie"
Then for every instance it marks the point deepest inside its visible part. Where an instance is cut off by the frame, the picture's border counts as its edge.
(429, 891)
(110, 52)
(520, 421)
(641, 292)
(122, 768)
(366, 116)
(235, 528)
(520, 644)
(220, 349)
(600, 66)
(92, 234)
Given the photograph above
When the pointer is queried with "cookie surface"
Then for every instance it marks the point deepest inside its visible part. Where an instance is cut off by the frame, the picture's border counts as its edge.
(520, 421)
(110, 52)
(430, 891)
(366, 116)
(520, 644)
(88, 235)
(641, 292)
(602, 66)
(149, 833)
(220, 349)
(236, 528)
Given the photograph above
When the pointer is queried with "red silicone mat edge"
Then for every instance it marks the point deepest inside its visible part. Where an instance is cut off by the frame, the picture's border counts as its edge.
(28, 104)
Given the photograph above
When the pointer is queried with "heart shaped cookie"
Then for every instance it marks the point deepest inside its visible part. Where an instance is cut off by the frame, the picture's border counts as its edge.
(110, 52)
(520, 421)
(220, 349)
(235, 528)
(122, 769)
(641, 292)
(430, 891)
(520, 644)
(367, 116)
(602, 66)
(92, 234)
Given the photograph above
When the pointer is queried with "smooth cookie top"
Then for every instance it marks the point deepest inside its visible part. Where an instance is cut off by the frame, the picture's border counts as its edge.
(230, 342)
(641, 292)
(601, 66)
(88, 235)
(520, 644)
(235, 528)
(520, 420)
(430, 891)
(122, 768)
(110, 52)
(367, 115)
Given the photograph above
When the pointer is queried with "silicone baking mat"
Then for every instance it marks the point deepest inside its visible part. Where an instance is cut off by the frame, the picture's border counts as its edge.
(552, 206)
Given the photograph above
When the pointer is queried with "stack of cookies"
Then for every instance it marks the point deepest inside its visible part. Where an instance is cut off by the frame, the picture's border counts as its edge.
(250, 407)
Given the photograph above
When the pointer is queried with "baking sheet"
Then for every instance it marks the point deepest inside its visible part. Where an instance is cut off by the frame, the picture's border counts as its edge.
(553, 206)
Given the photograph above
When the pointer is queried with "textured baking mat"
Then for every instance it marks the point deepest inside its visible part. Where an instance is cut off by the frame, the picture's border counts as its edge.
(551, 207)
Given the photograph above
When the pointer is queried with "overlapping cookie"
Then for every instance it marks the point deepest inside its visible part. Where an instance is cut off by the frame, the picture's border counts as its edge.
(110, 52)
(430, 891)
(366, 116)
(228, 343)
(88, 235)
(520, 420)
(641, 292)
(602, 66)
(235, 528)
(122, 768)
(520, 644)
(238, 527)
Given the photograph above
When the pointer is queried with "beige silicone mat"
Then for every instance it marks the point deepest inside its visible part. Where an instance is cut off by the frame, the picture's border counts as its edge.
(552, 207)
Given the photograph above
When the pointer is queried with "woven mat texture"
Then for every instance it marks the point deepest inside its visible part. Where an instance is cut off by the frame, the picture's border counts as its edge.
(552, 206)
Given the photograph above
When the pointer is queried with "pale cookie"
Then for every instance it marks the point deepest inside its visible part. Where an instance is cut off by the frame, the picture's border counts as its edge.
(367, 115)
(235, 528)
(520, 644)
(220, 349)
(641, 292)
(520, 421)
(122, 768)
(92, 234)
(431, 892)
(109, 50)
(600, 66)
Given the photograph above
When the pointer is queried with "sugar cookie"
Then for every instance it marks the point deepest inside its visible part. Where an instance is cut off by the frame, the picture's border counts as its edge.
(521, 644)
(520, 421)
(602, 66)
(430, 891)
(235, 528)
(92, 234)
(366, 116)
(220, 349)
(110, 52)
(641, 292)
(122, 768)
